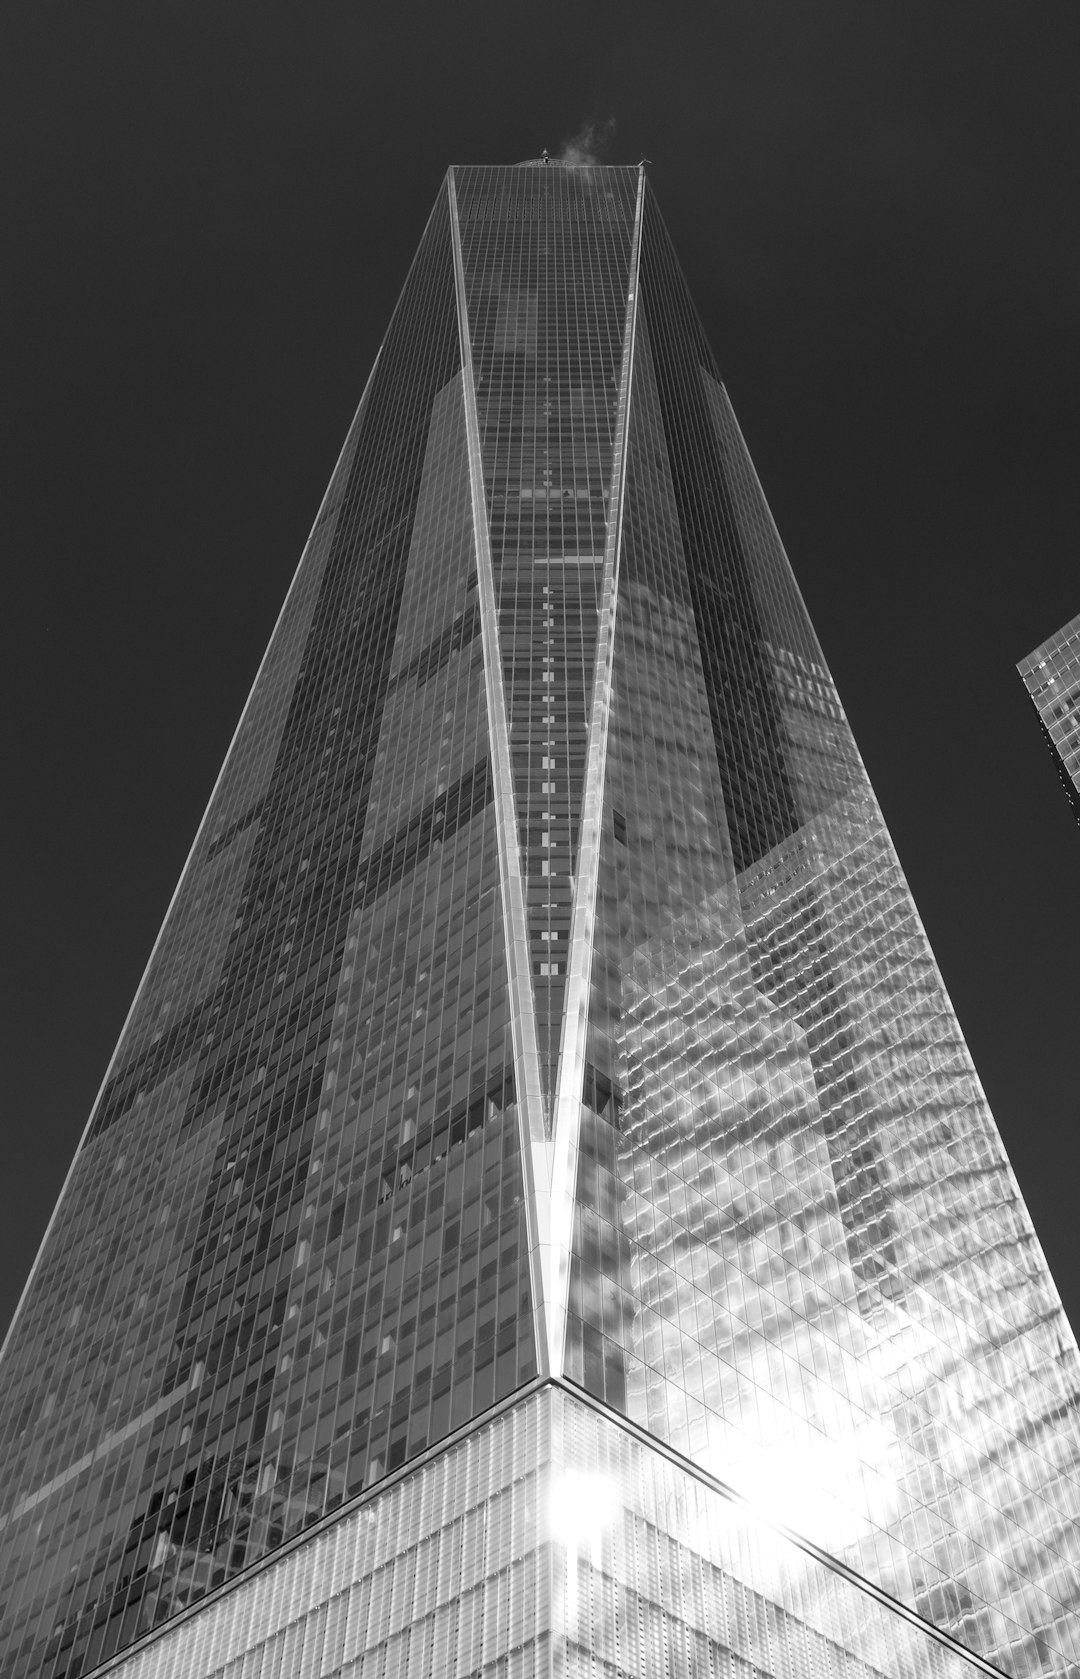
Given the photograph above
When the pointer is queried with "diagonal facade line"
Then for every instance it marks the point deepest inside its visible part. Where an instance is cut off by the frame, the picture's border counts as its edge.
(535, 1149)
(566, 1118)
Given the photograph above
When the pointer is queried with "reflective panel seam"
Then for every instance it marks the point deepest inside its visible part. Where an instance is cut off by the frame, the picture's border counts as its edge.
(370, 1496)
(476, 1425)
(566, 1114)
(741, 1502)
(530, 1102)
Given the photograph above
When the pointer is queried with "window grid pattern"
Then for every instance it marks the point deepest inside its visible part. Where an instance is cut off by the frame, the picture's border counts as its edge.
(975, 1330)
(1051, 676)
(546, 258)
(291, 1257)
(800, 1255)
(548, 1543)
(292, 1252)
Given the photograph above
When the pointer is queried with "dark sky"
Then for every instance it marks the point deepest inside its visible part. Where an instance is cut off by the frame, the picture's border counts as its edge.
(208, 213)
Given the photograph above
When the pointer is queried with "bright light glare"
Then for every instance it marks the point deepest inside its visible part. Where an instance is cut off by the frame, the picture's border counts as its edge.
(583, 1507)
(831, 1491)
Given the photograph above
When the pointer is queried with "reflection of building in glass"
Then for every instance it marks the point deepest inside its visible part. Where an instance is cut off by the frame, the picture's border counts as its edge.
(541, 1216)
(1052, 678)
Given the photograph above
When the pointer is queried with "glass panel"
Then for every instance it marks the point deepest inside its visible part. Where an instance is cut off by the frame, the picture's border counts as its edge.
(799, 1254)
(291, 1254)
(546, 257)
(550, 1543)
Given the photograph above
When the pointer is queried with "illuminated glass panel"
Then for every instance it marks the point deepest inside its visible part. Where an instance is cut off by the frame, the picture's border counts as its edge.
(799, 1253)
(550, 1542)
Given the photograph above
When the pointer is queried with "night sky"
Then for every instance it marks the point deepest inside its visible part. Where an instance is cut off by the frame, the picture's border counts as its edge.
(208, 213)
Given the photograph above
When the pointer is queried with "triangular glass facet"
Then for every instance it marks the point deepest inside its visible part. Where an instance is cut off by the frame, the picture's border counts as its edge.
(546, 309)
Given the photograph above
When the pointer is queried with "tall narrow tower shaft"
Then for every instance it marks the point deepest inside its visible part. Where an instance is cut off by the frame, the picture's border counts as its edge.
(541, 1216)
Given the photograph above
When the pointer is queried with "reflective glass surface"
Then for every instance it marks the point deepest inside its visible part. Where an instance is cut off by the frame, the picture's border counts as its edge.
(546, 260)
(542, 1000)
(800, 1255)
(548, 1543)
(1052, 678)
(289, 1253)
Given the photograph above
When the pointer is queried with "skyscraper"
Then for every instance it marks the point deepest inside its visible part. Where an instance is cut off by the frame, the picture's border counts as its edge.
(1051, 676)
(541, 1216)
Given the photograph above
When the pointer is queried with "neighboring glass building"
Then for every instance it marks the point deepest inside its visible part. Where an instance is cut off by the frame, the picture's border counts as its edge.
(541, 1216)
(1052, 678)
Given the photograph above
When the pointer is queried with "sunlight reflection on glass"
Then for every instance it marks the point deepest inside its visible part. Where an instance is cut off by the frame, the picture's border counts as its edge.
(831, 1491)
(583, 1509)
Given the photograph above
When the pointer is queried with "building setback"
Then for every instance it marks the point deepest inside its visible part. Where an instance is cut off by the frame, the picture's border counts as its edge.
(541, 1216)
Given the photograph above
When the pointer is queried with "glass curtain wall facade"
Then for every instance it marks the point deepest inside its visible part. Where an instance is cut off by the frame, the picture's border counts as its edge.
(1051, 676)
(541, 1216)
